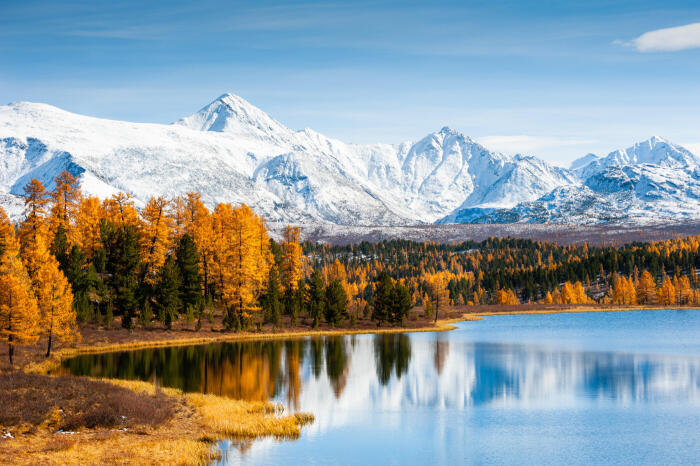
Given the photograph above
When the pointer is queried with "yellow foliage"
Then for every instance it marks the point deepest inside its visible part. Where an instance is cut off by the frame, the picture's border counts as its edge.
(19, 313)
(291, 260)
(155, 238)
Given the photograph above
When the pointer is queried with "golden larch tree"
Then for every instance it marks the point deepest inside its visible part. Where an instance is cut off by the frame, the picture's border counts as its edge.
(34, 224)
(87, 225)
(65, 202)
(291, 259)
(155, 239)
(666, 294)
(19, 313)
(646, 288)
(55, 299)
(119, 209)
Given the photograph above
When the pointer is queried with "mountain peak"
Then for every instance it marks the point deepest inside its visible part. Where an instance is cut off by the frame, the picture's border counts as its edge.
(230, 113)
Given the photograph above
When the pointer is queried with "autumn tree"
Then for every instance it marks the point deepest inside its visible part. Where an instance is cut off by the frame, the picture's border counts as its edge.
(34, 224)
(437, 289)
(65, 202)
(19, 312)
(55, 299)
(87, 225)
(291, 260)
(120, 210)
(666, 294)
(646, 288)
(154, 239)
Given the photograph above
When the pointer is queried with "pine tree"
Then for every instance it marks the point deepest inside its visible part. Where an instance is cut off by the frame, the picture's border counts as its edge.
(168, 292)
(400, 303)
(315, 297)
(126, 263)
(187, 259)
(271, 303)
(19, 312)
(381, 307)
(336, 303)
(60, 247)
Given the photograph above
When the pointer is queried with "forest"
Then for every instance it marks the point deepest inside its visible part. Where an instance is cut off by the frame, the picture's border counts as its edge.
(77, 259)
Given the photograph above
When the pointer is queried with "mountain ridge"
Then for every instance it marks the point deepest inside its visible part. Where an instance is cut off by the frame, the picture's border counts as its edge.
(232, 151)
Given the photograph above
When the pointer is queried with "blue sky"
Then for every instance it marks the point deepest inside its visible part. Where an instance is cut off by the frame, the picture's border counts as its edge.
(554, 79)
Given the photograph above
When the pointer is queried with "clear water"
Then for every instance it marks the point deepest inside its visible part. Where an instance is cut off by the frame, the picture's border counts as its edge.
(594, 388)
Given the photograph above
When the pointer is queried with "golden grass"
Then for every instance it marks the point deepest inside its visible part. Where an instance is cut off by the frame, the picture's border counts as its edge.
(186, 439)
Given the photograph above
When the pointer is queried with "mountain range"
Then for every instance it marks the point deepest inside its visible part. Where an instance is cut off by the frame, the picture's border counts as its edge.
(231, 151)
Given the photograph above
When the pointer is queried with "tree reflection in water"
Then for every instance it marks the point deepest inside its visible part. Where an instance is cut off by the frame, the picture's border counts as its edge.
(392, 352)
(425, 370)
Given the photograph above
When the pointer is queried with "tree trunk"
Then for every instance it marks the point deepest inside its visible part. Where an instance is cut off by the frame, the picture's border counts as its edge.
(48, 350)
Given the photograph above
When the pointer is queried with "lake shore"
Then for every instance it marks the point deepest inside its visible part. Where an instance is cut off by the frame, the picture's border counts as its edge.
(96, 340)
(80, 420)
(187, 437)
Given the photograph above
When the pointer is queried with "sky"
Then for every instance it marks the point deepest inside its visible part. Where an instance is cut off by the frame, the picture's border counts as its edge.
(553, 79)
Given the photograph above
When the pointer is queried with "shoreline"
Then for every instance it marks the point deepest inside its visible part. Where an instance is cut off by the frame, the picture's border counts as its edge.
(442, 325)
(191, 435)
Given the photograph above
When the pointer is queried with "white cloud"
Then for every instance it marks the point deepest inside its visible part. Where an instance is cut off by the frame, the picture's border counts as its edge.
(667, 40)
(525, 144)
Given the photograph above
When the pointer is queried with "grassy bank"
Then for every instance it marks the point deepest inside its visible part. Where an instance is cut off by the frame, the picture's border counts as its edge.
(77, 420)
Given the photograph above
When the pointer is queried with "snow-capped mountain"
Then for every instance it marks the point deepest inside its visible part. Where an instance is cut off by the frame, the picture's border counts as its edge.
(652, 181)
(231, 151)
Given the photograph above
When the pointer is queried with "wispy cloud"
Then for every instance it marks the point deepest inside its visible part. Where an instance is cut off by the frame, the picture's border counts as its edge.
(667, 39)
(525, 144)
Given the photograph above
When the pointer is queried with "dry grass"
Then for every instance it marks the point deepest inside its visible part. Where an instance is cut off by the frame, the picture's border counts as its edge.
(184, 438)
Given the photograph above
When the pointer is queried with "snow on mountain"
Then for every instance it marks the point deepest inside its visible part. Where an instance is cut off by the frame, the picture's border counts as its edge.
(231, 151)
(650, 182)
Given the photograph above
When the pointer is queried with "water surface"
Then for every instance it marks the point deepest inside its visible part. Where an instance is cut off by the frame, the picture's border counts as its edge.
(593, 388)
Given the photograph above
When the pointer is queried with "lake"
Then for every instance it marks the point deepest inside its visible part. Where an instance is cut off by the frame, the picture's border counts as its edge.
(574, 388)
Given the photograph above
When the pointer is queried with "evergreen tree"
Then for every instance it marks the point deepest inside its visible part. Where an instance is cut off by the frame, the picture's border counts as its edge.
(316, 296)
(146, 314)
(60, 248)
(400, 303)
(126, 263)
(168, 292)
(271, 304)
(187, 259)
(336, 303)
(382, 298)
